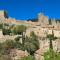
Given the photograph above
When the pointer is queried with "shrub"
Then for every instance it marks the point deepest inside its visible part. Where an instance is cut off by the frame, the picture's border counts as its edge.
(6, 31)
(28, 58)
(51, 55)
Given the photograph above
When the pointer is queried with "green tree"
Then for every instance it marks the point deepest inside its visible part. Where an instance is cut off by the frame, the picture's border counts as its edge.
(30, 47)
(10, 44)
(1, 26)
(17, 39)
(31, 43)
(6, 31)
(19, 29)
(34, 39)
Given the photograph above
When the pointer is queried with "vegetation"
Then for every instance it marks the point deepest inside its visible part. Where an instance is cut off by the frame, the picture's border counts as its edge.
(17, 39)
(1, 26)
(6, 46)
(28, 58)
(9, 44)
(6, 14)
(19, 29)
(31, 43)
(51, 55)
(6, 31)
(5, 50)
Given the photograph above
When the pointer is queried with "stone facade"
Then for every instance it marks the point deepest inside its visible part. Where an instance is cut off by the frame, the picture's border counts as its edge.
(18, 54)
(43, 20)
(44, 47)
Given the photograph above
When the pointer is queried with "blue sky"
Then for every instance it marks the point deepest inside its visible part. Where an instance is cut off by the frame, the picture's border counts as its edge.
(25, 9)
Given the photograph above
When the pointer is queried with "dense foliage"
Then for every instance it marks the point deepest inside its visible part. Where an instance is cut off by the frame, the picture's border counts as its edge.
(28, 58)
(6, 31)
(1, 26)
(31, 43)
(51, 55)
(19, 29)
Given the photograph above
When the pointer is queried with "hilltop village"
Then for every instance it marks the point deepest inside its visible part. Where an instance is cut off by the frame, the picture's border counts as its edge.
(42, 27)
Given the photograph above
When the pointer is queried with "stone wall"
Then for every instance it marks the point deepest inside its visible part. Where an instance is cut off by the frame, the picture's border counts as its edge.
(18, 54)
(8, 37)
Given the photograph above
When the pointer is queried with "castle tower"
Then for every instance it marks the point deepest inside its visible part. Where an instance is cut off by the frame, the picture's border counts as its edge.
(43, 20)
(53, 21)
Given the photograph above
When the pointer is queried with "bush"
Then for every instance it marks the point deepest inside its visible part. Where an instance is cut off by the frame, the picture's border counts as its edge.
(18, 29)
(30, 47)
(6, 31)
(6, 46)
(51, 55)
(28, 58)
(1, 26)
(31, 43)
(17, 38)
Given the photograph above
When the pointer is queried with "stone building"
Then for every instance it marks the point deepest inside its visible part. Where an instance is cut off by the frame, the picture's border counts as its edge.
(16, 54)
(42, 19)
(41, 28)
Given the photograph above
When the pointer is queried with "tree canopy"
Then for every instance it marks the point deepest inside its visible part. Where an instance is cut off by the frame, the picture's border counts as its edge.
(18, 29)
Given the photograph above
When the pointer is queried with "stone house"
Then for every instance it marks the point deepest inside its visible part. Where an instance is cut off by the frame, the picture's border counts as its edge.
(56, 32)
